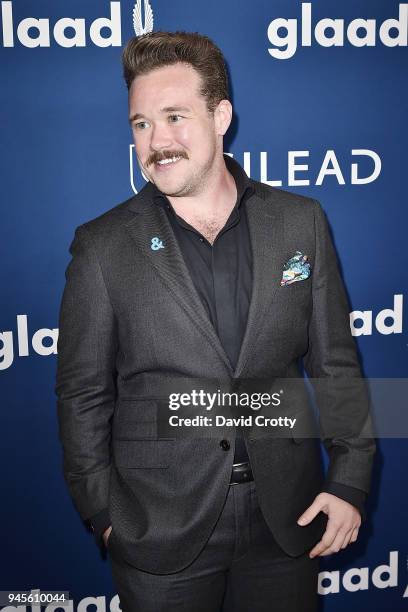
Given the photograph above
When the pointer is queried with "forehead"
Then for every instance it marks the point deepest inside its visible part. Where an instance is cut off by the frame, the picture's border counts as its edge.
(178, 84)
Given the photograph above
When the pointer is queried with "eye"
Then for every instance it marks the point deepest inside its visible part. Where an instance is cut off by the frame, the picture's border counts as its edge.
(141, 125)
(174, 118)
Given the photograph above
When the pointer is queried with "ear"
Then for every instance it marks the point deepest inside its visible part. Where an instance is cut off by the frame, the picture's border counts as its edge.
(222, 116)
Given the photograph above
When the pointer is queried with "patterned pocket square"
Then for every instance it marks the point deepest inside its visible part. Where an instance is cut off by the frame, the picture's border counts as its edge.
(296, 269)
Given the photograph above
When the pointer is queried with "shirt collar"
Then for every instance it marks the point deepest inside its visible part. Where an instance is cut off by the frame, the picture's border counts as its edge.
(242, 182)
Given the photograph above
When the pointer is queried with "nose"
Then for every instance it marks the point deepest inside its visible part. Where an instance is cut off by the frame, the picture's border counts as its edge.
(160, 137)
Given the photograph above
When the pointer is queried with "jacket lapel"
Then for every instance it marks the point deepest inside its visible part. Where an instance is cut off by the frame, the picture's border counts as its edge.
(265, 224)
(150, 222)
(266, 233)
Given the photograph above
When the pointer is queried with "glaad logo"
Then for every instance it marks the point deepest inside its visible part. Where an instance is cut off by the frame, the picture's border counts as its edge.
(67, 32)
(71, 32)
(137, 18)
(358, 578)
(37, 342)
(331, 32)
(365, 318)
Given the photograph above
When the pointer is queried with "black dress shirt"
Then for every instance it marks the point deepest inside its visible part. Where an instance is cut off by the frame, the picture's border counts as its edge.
(222, 276)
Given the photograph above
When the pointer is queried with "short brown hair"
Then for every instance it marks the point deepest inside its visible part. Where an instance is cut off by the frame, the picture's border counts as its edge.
(156, 49)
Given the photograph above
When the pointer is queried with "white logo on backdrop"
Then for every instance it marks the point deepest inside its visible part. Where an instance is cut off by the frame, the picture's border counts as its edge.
(388, 321)
(70, 32)
(137, 18)
(333, 32)
(66, 32)
(25, 343)
(355, 579)
(363, 168)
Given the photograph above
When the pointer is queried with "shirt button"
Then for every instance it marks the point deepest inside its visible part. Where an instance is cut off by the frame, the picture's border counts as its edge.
(225, 445)
(201, 239)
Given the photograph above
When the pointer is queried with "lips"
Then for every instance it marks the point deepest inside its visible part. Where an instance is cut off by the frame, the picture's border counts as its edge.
(169, 162)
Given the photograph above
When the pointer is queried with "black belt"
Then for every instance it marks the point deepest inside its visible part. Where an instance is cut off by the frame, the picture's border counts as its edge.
(241, 472)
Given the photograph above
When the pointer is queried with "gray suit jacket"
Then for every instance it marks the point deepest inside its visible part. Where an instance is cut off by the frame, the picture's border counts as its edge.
(131, 321)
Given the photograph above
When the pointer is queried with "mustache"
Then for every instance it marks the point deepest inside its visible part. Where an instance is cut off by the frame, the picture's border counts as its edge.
(159, 156)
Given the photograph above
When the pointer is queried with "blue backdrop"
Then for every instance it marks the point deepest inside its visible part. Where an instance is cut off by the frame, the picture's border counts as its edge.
(320, 109)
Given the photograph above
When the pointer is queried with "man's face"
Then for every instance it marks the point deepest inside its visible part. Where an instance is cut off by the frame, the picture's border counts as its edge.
(170, 121)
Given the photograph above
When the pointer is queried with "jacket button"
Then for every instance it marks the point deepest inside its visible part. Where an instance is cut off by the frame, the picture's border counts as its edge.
(225, 445)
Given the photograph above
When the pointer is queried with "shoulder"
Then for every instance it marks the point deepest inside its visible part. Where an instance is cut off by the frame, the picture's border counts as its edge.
(112, 218)
(286, 202)
(107, 226)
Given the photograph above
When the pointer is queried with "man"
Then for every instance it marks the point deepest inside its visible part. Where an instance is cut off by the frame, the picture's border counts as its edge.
(206, 275)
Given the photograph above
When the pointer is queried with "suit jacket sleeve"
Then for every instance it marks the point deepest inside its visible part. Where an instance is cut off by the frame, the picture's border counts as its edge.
(85, 383)
(99, 524)
(332, 363)
(353, 496)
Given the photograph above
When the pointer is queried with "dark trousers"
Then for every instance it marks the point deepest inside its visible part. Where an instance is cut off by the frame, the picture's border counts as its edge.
(241, 569)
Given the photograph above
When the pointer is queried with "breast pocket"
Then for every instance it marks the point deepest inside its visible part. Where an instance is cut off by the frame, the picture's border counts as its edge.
(297, 290)
(292, 307)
